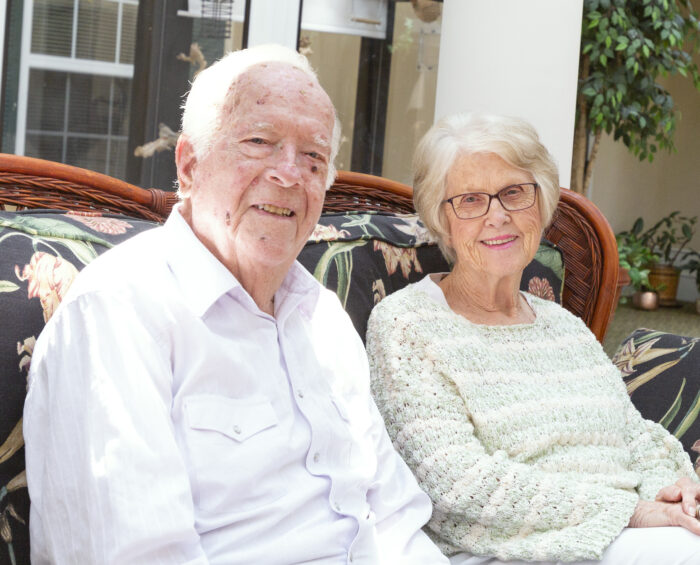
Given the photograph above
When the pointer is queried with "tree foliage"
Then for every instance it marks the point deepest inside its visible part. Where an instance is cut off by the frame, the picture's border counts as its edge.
(626, 46)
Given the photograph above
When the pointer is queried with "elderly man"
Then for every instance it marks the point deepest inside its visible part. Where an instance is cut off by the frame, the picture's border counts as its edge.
(198, 397)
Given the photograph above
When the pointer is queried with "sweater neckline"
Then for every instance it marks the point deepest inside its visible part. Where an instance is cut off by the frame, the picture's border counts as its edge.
(428, 286)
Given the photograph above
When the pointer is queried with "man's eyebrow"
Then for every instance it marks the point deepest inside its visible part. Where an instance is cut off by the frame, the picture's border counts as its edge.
(321, 140)
(262, 126)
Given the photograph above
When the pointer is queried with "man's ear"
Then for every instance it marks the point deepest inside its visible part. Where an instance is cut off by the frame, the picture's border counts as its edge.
(186, 161)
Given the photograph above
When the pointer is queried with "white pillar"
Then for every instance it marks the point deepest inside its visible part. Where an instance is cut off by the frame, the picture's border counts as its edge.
(273, 21)
(515, 58)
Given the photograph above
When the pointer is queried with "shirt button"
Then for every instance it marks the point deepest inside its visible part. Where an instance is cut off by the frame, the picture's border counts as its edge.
(336, 506)
(300, 393)
(317, 457)
(350, 557)
(236, 429)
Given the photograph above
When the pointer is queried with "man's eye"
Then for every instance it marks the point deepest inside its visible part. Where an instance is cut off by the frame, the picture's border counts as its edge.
(314, 155)
(257, 140)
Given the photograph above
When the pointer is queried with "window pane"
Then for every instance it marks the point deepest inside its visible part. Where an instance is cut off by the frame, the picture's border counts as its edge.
(117, 158)
(128, 42)
(121, 103)
(46, 100)
(52, 27)
(44, 146)
(87, 153)
(89, 104)
(97, 30)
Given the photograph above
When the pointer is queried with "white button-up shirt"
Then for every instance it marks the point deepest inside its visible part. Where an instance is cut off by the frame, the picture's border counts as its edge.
(169, 420)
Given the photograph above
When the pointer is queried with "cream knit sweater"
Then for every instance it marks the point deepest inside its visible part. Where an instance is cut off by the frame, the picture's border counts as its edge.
(523, 436)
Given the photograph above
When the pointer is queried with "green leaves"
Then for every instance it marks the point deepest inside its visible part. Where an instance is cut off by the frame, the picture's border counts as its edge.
(627, 47)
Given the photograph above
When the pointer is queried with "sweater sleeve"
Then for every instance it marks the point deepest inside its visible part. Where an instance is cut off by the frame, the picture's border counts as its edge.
(656, 454)
(484, 503)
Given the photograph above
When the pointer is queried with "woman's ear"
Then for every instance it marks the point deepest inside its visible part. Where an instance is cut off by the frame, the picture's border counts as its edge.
(186, 161)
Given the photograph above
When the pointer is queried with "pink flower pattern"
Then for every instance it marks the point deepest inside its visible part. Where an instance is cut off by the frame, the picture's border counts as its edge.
(540, 288)
(405, 257)
(327, 233)
(49, 278)
(95, 221)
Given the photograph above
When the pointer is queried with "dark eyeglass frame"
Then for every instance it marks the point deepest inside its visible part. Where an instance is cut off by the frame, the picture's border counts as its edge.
(491, 197)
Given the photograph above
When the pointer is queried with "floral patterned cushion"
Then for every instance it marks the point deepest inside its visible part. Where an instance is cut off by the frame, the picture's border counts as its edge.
(365, 256)
(662, 372)
(41, 253)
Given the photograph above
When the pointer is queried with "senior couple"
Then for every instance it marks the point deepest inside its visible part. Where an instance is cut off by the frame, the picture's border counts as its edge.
(199, 398)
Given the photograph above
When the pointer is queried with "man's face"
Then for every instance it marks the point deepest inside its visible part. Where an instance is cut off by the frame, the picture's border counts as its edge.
(256, 196)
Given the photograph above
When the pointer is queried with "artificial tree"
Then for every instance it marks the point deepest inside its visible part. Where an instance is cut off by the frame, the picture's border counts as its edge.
(626, 46)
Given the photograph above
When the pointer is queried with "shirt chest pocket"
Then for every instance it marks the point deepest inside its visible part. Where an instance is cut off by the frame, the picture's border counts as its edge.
(230, 446)
(237, 419)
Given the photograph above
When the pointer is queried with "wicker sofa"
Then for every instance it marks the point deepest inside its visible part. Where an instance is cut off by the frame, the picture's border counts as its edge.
(55, 218)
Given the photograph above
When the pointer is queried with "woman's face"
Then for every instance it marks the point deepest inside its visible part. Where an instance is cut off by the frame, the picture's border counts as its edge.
(500, 243)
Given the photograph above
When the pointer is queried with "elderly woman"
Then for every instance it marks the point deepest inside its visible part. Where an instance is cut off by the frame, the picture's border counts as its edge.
(505, 406)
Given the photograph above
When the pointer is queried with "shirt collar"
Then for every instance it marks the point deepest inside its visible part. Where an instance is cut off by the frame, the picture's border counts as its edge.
(203, 279)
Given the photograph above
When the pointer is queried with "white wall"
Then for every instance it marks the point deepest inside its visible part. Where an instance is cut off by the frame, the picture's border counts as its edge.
(516, 58)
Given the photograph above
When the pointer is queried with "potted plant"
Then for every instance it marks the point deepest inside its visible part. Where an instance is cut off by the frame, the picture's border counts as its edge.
(667, 239)
(636, 258)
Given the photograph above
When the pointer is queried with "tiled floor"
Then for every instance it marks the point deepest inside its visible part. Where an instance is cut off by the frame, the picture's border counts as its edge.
(683, 320)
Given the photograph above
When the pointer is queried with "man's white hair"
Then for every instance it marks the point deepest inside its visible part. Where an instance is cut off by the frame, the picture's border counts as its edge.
(207, 98)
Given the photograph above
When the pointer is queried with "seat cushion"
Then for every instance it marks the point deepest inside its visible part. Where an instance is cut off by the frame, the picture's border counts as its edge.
(365, 256)
(662, 373)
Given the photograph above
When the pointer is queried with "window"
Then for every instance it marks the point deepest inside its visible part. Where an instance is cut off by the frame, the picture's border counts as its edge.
(75, 76)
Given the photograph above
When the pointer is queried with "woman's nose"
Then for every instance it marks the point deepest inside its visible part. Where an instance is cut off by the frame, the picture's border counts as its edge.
(497, 214)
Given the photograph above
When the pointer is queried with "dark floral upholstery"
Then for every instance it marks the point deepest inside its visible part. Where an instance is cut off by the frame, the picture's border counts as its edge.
(662, 373)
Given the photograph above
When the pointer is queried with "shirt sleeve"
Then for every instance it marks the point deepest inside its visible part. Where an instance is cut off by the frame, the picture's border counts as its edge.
(106, 479)
(486, 504)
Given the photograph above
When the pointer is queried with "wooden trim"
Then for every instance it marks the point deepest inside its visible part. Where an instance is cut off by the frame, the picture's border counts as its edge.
(610, 269)
(159, 201)
(371, 181)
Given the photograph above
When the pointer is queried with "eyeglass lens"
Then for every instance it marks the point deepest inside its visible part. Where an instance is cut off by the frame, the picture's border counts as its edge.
(512, 198)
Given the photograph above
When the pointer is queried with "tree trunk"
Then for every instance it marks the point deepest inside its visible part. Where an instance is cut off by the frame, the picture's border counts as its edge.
(580, 149)
(591, 160)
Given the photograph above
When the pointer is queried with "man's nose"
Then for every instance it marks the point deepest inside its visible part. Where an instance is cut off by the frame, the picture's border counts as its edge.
(284, 169)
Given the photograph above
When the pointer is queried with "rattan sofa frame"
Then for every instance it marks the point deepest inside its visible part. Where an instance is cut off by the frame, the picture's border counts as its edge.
(578, 229)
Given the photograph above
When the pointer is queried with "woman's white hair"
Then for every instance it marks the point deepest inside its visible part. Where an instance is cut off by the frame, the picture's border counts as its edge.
(202, 110)
(513, 139)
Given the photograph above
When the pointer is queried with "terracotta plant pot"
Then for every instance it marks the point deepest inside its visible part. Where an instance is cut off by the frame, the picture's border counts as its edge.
(648, 300)
(669, 276)
(623, 280)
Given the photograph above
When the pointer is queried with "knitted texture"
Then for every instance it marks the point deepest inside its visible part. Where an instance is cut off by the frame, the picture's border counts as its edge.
(523, 436)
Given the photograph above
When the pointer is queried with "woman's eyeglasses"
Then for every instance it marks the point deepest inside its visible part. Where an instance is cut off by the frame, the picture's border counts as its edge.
(476, 204)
